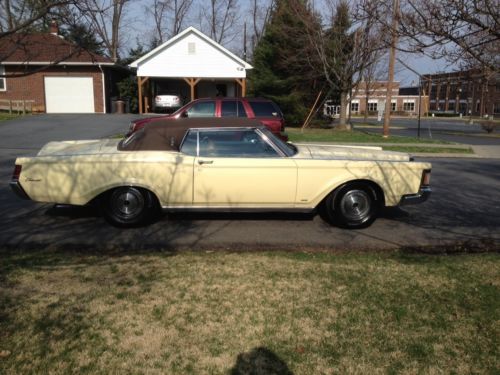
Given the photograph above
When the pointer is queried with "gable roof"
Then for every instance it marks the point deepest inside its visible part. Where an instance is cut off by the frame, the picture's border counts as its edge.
(44, 49)
(181, 35)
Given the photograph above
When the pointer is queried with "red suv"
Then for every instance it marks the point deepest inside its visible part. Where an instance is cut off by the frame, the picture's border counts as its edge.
(263, 110)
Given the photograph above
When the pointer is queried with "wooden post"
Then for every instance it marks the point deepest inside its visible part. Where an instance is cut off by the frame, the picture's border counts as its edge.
(139, 86)
(140, 82)
(192, 82)
(243, 83)
(10, 107)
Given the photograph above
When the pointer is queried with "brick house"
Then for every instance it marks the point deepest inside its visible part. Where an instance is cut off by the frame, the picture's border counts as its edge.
(54, 75)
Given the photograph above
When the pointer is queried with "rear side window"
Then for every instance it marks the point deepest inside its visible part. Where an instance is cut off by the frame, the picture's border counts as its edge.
(190, 144)
(202, 109)
(232, 108)
(264, 109)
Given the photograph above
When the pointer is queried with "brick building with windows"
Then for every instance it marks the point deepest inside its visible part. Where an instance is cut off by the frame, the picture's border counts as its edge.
(469, 92)
(371, 97)
(54, 75)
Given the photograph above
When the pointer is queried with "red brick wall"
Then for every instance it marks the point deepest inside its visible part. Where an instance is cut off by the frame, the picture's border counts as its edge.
(31, 87)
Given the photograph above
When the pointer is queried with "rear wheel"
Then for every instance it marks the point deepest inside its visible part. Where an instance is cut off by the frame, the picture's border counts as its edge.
(129, 206)
(353, 206)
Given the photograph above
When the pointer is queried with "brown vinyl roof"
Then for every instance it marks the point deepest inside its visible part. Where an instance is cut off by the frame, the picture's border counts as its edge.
(44, 48)
(167, 135)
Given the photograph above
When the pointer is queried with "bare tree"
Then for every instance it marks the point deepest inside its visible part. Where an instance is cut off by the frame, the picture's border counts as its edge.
(220, 19)
(168, 16)
(343, 51)
(24, 15)
(104, 17)
(456, 30)
(261, 11)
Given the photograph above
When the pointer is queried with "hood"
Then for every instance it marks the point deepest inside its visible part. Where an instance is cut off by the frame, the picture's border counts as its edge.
(334, 152)
(66, 148)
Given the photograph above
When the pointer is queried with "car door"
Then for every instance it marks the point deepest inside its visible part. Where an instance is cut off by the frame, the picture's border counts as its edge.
(241, 168)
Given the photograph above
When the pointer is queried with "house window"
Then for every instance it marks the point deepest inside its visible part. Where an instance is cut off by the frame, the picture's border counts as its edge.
(355, 107)
(496, 108)
(393, 106)
(372, 107)
(409, 106)
(3, 85)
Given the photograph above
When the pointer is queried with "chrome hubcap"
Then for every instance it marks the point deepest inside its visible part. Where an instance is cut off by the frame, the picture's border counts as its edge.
(355, 205)
(129, 202)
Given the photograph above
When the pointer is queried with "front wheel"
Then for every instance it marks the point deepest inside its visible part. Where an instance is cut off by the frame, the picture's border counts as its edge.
(128, 206)
(353, 206)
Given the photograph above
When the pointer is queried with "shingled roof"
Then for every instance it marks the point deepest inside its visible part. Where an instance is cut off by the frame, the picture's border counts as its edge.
(41, 49)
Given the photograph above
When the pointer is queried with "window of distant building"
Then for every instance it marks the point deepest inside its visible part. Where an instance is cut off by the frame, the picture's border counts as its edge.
(372, 106)
(3, 85)
(409, 106)
(393, 105)
(355, 107)
(496, 108)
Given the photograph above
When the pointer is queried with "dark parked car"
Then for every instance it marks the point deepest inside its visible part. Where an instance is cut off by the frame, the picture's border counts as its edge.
(264, 110)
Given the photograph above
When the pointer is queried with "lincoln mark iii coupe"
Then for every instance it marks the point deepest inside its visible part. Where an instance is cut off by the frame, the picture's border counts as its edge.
(220, 164)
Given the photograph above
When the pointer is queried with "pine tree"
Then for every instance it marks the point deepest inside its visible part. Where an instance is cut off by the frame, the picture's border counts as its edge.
(282, 61)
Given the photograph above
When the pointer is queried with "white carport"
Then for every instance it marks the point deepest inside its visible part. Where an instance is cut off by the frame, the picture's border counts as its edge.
(196, 61)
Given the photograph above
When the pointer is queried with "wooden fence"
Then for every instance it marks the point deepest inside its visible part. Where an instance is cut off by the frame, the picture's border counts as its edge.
(19, 106)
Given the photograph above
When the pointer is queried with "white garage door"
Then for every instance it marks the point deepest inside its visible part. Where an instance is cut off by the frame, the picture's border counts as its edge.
(69, 95)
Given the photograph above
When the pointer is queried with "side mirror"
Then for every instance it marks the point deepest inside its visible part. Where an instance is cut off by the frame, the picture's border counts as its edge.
(185, 114)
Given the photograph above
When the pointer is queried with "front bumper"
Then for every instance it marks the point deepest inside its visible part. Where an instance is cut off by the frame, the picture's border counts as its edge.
(18, 190)
(423, 194)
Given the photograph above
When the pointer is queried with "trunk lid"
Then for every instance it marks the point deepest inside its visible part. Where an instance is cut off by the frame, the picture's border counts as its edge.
(87, 147)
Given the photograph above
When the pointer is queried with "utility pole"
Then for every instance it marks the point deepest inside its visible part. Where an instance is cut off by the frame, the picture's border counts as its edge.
(392, 60)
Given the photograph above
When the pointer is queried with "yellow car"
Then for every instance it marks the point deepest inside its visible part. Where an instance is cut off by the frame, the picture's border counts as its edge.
(224, 165)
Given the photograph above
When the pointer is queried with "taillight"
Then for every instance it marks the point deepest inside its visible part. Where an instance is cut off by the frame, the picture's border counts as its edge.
(426, 177)
(17, 172)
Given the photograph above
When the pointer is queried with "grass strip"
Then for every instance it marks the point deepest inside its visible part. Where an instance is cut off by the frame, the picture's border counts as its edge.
(216, 312)
(355, 136)
(436, 150)
(5, 116)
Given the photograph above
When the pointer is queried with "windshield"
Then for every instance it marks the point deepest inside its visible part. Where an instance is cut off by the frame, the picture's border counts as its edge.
(287, 148)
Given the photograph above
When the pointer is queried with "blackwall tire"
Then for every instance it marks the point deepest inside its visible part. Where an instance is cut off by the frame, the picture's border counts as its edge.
(128, 206)
(353, 206)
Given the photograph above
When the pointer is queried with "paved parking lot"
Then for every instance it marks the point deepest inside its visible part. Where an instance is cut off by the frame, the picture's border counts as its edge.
(464, 207)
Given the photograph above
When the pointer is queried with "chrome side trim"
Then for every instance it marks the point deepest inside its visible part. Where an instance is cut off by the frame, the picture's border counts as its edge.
(423, 194)
(18, 190)
(236, 209)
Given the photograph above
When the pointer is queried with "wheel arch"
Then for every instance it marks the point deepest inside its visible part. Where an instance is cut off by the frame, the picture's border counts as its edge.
(104, 192)
(377, 191)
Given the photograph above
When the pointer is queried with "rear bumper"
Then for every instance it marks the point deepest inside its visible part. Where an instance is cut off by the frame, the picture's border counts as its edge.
(423, 194)
(18, 190)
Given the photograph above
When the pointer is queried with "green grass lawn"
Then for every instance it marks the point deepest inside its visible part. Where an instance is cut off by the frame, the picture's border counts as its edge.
(239, 313)
(5, 116)
(354, 136)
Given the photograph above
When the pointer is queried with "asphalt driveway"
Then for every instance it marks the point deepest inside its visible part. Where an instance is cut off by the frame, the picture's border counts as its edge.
(464, 207)
(32, 132)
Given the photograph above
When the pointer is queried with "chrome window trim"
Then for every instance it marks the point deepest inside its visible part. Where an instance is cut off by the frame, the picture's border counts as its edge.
(279, 152)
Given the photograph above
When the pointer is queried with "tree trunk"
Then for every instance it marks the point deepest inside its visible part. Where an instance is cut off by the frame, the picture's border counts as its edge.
(342, 115)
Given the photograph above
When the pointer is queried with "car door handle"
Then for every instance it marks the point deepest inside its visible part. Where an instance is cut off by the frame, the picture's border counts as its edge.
(200, 162)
